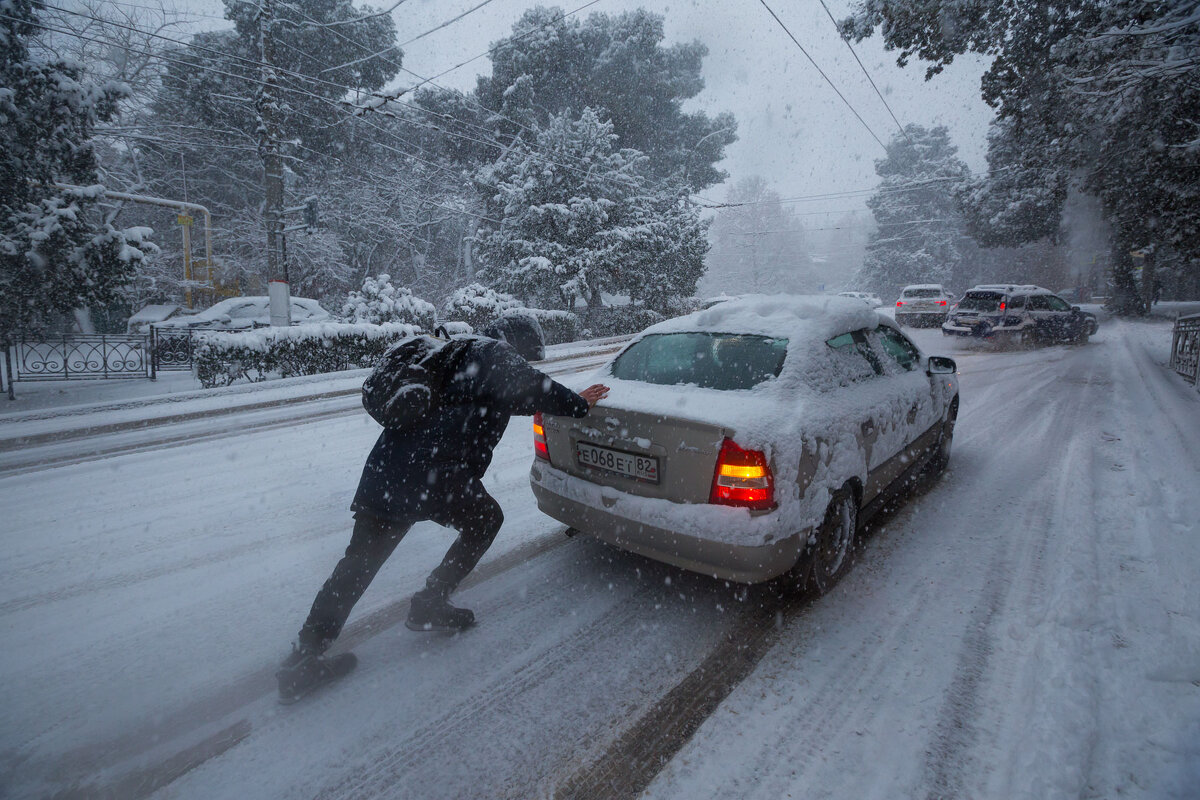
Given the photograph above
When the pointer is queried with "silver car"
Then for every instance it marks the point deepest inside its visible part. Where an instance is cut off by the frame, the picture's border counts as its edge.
(923, 304)
(751, 440)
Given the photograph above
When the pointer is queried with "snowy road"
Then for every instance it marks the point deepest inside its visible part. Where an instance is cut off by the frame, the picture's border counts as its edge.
(1029, 627)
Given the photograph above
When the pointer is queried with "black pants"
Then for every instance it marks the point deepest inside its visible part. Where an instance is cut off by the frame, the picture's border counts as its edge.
(470, 510)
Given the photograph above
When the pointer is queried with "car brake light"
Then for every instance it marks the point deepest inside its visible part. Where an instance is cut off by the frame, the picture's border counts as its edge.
(742, 478)
(941, 302)
(1002, 304)
(539, 438)
(899, 303)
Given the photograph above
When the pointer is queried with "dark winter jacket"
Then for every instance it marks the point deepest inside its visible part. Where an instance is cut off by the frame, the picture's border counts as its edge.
(409, 472)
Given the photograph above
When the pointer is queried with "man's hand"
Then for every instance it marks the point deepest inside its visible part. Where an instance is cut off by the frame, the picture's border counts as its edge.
(594, 394)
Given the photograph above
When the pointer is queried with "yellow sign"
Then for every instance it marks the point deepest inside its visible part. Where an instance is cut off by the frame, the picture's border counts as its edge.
(184, 219)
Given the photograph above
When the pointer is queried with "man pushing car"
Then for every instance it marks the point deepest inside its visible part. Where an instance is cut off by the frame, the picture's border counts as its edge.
(445, 406)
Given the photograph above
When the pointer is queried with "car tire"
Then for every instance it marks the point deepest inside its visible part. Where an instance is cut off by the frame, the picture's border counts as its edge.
(941, 455)
(830, 551)
(1083, 336)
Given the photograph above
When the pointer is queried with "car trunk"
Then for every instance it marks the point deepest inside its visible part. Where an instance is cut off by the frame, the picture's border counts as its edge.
(648, 455)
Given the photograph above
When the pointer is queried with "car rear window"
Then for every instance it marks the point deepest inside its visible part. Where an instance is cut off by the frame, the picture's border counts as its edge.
(980, 301)
(922, 293)
(709, 360)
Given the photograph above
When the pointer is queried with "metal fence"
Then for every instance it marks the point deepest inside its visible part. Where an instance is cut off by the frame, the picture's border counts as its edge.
(81, 356)
(172, 348)
(1185, 348)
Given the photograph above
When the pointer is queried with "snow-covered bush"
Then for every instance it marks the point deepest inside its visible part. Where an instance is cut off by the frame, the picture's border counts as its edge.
(477, 305)
(266, 353)
(618, 321)
(558, 326)
(380, 302)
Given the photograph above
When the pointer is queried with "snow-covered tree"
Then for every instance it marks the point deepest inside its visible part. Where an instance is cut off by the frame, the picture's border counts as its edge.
(578, 219)
(379, 301)
(477, 305)
(58, 250)
(920, 235)
(758, 244)
(1104, 91)
(617, 65)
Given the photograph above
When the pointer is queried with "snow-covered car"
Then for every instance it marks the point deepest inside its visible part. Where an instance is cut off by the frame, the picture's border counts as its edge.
(237, 313)
(751, 440)
(1019, 315)
(872, 299)
(923, 304)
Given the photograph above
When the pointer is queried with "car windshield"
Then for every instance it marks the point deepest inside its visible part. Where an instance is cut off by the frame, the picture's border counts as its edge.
(918, 293)
(709, 360)
(980, 301)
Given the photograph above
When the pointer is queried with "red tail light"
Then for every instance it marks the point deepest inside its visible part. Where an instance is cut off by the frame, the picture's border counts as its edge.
(539, 438)
(742, 478)
(941, 302)
(899, 303)
(1002, 304)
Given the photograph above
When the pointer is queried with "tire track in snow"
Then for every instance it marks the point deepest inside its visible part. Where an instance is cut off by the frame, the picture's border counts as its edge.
(388, 769)
(633, 760)
(1013, 562)
(75, 767)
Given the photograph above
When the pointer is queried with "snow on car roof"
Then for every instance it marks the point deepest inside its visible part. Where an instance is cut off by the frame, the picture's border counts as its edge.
(922, 286)
(1009, 287)
(795, 317)
(772, 407)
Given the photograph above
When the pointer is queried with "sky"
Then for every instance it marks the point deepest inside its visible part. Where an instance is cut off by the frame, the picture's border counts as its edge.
(792, 128)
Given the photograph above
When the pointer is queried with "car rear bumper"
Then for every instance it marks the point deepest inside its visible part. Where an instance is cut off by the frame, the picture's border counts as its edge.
(964, 330)
(732, 562)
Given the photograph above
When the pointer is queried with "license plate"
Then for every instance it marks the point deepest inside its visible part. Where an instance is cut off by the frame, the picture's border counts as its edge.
(631, 465)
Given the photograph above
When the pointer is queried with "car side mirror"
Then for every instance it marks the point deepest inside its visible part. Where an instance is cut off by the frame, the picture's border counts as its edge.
(940, 365)
(1075, 309)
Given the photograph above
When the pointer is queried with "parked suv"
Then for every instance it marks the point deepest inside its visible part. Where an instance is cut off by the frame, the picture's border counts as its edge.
(923, 304)
(1019, 315)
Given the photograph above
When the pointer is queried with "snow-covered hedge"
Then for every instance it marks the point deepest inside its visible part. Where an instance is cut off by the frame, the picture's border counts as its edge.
(477, 305)
(379, 302)
(265, 353)
(618, 320)
(558, 326)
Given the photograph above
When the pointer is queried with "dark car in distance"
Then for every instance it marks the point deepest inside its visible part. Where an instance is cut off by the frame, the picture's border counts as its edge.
(1019, 315)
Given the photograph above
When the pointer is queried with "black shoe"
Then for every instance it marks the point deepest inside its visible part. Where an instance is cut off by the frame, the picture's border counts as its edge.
(305, 670)
(435, 614)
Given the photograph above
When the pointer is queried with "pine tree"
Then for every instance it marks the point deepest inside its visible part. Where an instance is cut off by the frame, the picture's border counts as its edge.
(57, 250)
(920, 236)
(379, 301)
(580, 219)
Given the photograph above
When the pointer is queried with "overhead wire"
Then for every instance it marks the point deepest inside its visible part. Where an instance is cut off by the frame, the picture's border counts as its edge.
(863, 67)
(291, 73)
(833, 86)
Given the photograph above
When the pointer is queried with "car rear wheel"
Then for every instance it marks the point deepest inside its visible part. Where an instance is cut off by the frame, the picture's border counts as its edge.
(941, 456)
(831, 546)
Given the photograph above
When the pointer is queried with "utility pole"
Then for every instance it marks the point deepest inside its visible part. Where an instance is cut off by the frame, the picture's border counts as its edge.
(267, 105)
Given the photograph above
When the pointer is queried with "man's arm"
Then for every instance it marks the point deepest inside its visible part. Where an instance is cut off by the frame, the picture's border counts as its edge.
(524, 390)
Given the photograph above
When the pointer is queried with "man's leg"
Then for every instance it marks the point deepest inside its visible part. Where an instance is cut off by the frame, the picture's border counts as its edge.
(477, 517)
(372, 542)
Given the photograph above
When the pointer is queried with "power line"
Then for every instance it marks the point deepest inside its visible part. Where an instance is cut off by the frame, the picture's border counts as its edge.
(416, 38)
(864, 70)
(823, 75)
(492, 50)
(834, 195)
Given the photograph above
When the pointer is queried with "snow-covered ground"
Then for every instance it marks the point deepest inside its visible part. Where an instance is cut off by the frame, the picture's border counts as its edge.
(1028, 627)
